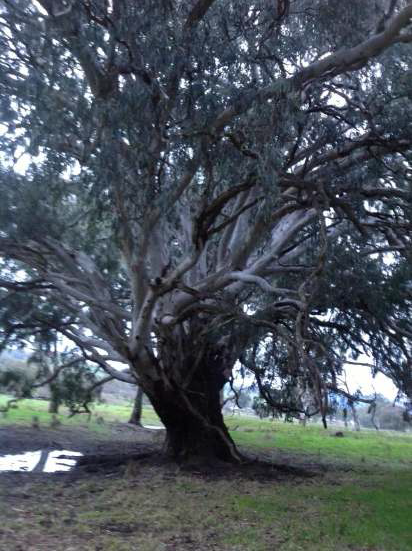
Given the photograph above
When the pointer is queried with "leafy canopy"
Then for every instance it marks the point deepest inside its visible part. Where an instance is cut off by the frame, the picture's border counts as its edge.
(211, 174)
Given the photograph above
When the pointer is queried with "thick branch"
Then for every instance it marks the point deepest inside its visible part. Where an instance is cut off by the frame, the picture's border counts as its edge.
(342, 61)
(197, 13)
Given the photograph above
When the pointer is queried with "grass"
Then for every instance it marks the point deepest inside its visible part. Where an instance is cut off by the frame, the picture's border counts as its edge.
(345, 517)
(389, 448)
(362, 502)
(23, 414)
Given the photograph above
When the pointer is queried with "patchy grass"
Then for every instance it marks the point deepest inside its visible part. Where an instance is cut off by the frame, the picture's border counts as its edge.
(362, 502)
(158, 509)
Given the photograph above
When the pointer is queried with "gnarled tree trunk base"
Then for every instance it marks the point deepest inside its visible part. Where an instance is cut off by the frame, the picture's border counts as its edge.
(195, 428)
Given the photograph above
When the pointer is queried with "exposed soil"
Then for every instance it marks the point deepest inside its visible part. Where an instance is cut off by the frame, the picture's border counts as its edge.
(119, 437)
(124, 444)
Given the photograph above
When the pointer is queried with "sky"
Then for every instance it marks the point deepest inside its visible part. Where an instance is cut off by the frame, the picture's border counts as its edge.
(359, 377)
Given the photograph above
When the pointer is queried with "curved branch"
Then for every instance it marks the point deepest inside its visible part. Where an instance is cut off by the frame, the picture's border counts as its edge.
(342, 61)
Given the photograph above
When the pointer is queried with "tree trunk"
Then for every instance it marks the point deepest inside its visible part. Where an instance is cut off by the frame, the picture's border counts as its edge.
(136, 416)
(42, 462)
(191, 411)
(355, 417)
(195, 426)
(345, 417)
(303, 420)
(54, 402)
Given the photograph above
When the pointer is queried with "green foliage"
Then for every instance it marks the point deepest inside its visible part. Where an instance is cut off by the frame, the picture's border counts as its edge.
(15, 377)
(263, 409)
(216, 176)
(68, 380)
(73, 388)
(14, 382)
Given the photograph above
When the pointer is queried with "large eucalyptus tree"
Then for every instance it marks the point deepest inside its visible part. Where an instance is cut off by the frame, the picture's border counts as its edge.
(190, 166)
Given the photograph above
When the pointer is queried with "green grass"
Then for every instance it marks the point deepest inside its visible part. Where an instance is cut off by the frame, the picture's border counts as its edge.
(368, 513)
(23, 414)
(389, 448)
(363, 502)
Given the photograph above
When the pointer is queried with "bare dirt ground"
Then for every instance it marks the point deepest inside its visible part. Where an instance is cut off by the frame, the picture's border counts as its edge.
(118, 437)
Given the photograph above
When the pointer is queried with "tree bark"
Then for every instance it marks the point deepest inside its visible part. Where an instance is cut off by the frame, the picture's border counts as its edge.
(136, 416)
(355, 417)
(42, 462)
(191, 412)
(195, 427)
(303, 420)
(54, 402)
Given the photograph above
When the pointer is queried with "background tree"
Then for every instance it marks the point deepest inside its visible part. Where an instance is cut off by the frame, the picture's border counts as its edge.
(136, 415)
(68, 379)
(196, 172)
(386, 416)
(30, 328)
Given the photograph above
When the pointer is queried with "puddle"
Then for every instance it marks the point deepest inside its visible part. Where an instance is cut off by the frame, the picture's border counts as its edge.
(154, 427)
(40, 461)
